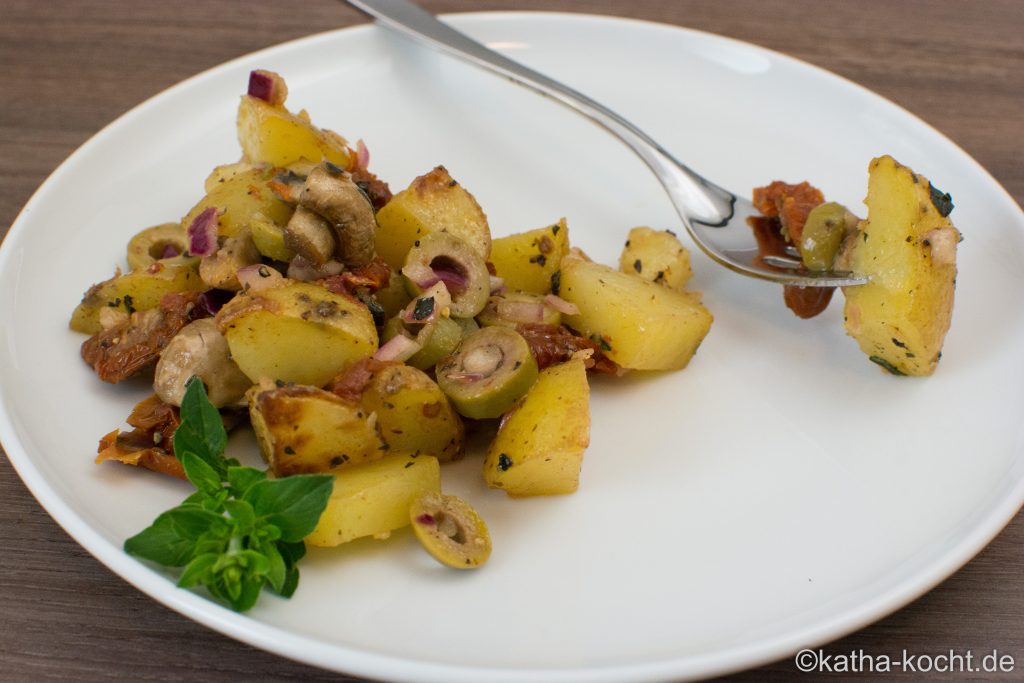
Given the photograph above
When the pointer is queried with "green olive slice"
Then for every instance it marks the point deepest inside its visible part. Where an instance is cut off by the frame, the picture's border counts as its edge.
(822, 235)
(492, 368)
(441, 256)
(438, 338)
(153, 244)
(450, 530)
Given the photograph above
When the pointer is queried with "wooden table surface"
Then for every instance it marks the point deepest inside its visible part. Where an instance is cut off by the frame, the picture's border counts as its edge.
(72, 66)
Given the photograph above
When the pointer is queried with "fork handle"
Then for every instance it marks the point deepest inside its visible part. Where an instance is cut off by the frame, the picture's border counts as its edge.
(694, 197)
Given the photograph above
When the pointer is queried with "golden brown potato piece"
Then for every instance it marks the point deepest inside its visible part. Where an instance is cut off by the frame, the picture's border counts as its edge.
(272, 135)
(137, 290)
(908, 247)
(413, 414)
(434, 202)
(240, 197)
(638, 324)
(303, 429)
(658, 256)
(526, 261)
(374, 499)
(296, 332)
(539, 447)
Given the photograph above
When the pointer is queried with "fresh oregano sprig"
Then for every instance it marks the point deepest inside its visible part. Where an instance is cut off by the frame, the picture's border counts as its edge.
(239, 531)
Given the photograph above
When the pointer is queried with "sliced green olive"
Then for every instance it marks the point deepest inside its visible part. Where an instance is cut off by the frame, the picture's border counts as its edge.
(822, 235)
(488, 373)
(438, 338)
(467, 325)
(450, 530)
(441, 255)
(517, 308)
(156, 243)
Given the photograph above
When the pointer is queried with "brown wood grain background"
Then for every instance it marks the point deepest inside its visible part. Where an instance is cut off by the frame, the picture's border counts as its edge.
(69, 67)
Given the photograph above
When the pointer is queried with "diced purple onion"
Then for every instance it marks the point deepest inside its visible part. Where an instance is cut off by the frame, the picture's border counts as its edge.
(398, 348)
(362, 154)
(211, 301)
(261, 86)
(170, 251)
(561, 305)
(421, 275)
(497, 285)
(202, 233)
(521, 311)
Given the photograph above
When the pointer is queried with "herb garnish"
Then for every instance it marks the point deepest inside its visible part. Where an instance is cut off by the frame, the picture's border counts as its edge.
(239, 531)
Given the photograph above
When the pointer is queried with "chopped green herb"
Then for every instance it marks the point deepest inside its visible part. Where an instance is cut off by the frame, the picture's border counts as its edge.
(239, 531)
(423, 308)
(942, 200)
(556, 282)
(885, 364)
(504, 462)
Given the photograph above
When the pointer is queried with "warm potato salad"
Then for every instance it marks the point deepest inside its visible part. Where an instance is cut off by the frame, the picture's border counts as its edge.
(362, 335)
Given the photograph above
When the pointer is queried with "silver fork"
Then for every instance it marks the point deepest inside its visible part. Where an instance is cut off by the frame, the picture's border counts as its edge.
(715, 218)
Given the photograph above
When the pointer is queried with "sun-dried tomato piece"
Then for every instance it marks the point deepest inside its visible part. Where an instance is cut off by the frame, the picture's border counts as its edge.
(135, 344)
(351, 383)
(375, 188)
(789, 203)
(554, 344)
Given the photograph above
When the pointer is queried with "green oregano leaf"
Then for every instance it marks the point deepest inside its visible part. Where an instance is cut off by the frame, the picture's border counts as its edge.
(201, 430)
(292, 504)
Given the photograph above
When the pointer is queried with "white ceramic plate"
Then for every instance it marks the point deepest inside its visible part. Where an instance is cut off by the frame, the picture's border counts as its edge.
(780, 492)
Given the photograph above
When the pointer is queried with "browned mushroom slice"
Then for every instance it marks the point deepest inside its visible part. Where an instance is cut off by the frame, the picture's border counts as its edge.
(309, 236)
(199, 349)
(331, 192)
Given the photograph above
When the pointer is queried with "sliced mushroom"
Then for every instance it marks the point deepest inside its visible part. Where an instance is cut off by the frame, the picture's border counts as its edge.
(310, 236)
(199, 349)
(220, 270)
(331, 192)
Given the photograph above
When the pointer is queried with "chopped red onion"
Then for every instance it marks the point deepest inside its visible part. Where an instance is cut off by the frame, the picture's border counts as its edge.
(421, 275)
(211, 301)
(399, 348)
(170, 251)
(561, 305)
(258, 276)
(202, 233)
(416, 313)
(498, 285)
(521, 311)
(455, 282)
(301, 269)
(267, 86)
(362, 154)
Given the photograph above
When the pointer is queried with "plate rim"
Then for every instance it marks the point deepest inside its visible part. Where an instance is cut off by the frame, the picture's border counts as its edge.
(347, 659)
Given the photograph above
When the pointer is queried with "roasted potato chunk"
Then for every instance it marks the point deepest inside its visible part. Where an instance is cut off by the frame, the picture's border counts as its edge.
(526, 261)
(539, 447)
(658, 256)
(296, 332)
(413, 414)
(908, 247)
(303, 429)
(138, 290)
(434, 202)
(374, 499)
(240, 197)
(638, 324)
(272, 135)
